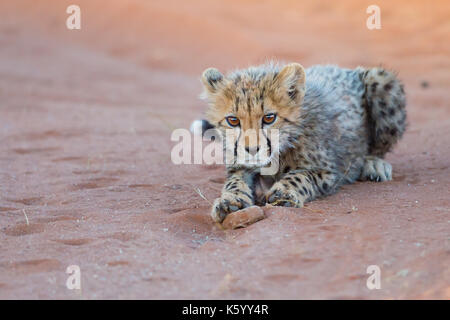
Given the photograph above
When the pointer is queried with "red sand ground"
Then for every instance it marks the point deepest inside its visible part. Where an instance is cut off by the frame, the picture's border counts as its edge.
(85, 124)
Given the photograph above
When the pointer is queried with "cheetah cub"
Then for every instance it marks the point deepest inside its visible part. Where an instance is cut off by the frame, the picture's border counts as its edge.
(333, 126)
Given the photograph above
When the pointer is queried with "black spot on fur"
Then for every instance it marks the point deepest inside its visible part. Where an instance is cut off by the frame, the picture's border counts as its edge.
(246, 194)
(391, 111)
(388, 86)
(232, 186)
(374, 86)
(261, 95)
(293, 183)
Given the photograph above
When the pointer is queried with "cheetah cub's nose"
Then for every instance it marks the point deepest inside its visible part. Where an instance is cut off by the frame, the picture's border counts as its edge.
(252, 150)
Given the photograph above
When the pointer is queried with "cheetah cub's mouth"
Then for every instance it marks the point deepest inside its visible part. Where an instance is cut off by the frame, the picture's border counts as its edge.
(255, 112)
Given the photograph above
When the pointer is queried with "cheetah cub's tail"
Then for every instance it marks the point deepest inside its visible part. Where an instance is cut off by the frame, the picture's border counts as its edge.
(385, 103)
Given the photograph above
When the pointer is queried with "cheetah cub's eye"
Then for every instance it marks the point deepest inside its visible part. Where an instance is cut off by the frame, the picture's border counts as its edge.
(269, 118)
(232, 121)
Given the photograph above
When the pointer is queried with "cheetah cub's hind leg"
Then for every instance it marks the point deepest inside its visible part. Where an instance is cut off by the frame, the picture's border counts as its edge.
(376, 169)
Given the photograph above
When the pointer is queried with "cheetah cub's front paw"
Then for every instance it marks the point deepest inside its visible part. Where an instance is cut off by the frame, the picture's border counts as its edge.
(284, 196)
(376, 169)
(227, 203)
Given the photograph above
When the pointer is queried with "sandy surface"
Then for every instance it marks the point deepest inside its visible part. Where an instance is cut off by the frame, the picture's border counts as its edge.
(85, 171)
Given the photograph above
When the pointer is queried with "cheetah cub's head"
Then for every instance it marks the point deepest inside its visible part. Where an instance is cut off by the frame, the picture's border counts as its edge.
(255, 110)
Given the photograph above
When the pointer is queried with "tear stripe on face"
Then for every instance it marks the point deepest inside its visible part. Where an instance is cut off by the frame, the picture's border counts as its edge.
(236, 146)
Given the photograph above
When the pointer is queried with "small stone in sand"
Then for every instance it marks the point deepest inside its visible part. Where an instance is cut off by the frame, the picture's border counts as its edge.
(424, 84)
(243, 218)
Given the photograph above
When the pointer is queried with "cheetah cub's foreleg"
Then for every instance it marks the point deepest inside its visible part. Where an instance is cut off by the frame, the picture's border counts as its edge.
(236, 194)
(376, 169)
(298, 187)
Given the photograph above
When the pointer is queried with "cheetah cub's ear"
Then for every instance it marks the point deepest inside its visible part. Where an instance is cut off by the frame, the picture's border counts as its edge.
(290, 85)
(212, 80)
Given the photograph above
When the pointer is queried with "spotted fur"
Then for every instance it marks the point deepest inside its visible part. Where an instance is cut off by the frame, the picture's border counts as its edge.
(335, 126)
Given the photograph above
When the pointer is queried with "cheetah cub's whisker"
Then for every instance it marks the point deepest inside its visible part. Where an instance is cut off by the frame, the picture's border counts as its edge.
(333, 127)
